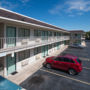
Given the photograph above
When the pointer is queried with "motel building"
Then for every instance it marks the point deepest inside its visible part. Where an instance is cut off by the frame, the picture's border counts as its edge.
(24, 40)
(77, 37)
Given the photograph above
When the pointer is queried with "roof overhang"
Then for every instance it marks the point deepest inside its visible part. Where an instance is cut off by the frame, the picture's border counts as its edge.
(17, 22)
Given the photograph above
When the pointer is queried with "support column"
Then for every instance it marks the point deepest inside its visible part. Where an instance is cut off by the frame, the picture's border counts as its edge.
(5, 67)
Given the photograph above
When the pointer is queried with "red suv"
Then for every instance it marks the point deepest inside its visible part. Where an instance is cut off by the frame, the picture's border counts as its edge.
(69, 63)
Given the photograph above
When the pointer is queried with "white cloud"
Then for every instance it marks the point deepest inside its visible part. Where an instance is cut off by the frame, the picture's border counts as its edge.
(56, 9)
(10, 5)
(7, 5)
(79, 5)
(79, 13)
(72, 6)
(24, 1)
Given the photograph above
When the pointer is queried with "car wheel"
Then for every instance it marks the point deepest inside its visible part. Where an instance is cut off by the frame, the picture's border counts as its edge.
(72, 72)
(48, 66)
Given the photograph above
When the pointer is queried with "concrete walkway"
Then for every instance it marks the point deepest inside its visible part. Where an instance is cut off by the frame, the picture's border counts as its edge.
(30, 69)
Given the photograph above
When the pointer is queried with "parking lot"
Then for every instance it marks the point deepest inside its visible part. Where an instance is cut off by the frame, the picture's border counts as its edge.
(53, 79)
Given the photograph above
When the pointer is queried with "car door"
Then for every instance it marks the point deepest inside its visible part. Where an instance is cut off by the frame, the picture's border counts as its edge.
(56, 62)
(61, 63)
(66, 64)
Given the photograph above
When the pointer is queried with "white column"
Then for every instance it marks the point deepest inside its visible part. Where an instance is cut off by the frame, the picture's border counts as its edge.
(18, 63)
(32, 56)
(32, 40)
(4, 36)
(5, 66)
(16, 36)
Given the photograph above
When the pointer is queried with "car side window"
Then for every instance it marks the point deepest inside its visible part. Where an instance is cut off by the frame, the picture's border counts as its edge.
(61, 59)
(56, 59)
(71, 61)
(68, 60)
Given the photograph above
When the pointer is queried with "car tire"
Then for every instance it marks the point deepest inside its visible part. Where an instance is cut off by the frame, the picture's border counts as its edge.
(72, 72)
(48, 66)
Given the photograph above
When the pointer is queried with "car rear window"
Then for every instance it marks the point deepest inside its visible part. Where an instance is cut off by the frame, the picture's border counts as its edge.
(78, 60)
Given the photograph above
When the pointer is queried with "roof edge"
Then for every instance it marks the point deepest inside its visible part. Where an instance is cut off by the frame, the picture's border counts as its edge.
(32, 18)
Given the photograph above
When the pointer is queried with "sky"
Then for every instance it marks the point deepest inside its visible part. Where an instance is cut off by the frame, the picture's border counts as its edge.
(66, 14)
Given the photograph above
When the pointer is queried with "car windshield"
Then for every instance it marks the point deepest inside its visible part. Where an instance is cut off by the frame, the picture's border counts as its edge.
(78, 60)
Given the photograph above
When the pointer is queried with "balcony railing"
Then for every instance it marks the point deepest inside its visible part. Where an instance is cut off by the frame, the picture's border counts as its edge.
(75, 37)
(21, 42)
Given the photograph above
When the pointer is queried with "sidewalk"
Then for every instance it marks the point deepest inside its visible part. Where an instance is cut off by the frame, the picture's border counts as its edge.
(29, 70)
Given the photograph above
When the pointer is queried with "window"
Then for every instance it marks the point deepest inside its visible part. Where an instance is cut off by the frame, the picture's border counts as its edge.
(37, 50)
(65, 42)
(46, 33)
(27, 53)
(37, 32)
(50, 46)
(54, 33)
(26, 33)
(59, 34)
(75, 34)
(68, 60)
(59, 59)
(78, 60)
(49, 33)
(23, 55)
(54, 44)
(23, 32)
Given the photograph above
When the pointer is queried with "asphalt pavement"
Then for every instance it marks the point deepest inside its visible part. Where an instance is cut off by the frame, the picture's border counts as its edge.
(54, 79)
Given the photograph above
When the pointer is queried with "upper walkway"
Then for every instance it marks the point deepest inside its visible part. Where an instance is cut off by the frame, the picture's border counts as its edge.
(10, 45)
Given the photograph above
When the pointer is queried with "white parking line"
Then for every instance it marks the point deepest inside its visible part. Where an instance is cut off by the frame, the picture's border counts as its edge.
(87, 83)
(86, 68)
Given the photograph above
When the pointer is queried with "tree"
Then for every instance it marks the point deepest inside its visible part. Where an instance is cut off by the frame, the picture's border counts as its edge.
(87, 35)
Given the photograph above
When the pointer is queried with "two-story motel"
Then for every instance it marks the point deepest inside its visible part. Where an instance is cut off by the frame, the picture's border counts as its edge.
(23, 40)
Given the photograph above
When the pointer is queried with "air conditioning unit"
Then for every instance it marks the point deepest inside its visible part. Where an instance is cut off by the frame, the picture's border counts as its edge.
(24, 63)
(24, 41)
(37, 40)
(37, 57)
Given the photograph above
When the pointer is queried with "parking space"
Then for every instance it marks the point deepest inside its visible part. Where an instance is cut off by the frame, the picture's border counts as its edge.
(54, 79)
(81, 53)
(82, 76)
